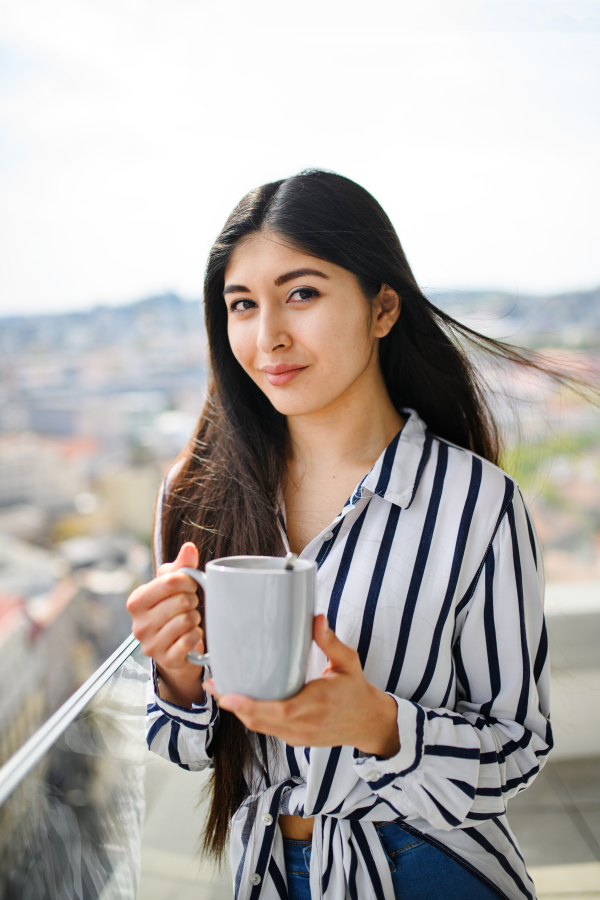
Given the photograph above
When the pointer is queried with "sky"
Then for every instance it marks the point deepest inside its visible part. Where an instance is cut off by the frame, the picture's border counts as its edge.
(130, 128)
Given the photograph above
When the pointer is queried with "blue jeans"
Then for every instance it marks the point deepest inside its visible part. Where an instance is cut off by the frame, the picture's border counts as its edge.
(419, 870)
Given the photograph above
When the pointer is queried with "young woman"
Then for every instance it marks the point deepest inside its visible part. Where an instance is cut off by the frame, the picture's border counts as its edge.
(345, 421)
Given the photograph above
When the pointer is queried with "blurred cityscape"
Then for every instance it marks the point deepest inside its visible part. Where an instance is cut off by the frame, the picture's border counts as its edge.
(94, 407)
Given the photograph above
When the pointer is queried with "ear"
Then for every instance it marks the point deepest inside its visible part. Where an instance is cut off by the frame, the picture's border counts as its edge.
(386, 310)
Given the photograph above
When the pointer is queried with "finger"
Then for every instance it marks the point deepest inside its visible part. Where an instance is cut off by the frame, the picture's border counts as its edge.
(146, 628)
(171, 607)
(187, 556)
(340, 656)
(148, 595)
(238, 703)
(176, 654)
(209, 687)
(247, 711)
(199, 648)
(259, 715)
(175, 628)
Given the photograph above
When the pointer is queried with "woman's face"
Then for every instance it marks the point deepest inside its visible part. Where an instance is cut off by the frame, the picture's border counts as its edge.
(301, 327)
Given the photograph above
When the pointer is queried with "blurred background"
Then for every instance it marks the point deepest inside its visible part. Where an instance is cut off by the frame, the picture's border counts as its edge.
(128, 131)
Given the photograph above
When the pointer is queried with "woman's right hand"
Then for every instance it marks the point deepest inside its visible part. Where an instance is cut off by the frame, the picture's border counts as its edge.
(166, 622)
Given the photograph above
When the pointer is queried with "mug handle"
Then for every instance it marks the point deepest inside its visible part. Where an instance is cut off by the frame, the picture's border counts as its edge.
(197, 659)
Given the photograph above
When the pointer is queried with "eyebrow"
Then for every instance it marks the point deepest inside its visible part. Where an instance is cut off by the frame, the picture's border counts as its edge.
(297, 273)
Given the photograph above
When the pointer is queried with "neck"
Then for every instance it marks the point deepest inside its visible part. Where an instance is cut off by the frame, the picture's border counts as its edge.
(350, 432)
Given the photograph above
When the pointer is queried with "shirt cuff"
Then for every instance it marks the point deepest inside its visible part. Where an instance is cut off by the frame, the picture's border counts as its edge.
(411, 726)
(197, 712)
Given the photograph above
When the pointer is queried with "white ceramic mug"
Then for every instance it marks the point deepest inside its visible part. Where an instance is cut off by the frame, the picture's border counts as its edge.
(258, 621)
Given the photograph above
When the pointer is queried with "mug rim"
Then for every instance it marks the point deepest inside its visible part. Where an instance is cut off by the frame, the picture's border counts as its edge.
(220, 564)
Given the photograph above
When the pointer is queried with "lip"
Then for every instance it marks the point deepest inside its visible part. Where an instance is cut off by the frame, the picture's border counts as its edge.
(282, 373)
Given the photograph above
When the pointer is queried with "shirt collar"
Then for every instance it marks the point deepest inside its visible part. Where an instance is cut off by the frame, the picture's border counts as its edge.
(396, 474)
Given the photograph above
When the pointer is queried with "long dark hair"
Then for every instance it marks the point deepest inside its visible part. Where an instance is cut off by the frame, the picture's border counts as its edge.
(224, 497)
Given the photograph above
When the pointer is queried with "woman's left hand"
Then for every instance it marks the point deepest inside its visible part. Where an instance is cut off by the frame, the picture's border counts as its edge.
(339, 708)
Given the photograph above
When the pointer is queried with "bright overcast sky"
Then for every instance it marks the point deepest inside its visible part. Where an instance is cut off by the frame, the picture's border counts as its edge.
(130, 128)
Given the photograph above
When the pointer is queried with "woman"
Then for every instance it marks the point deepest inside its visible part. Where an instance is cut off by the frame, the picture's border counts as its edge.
(426, 705)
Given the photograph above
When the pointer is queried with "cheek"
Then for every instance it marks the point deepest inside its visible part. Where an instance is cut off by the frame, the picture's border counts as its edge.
(342, 343)
(242, 344)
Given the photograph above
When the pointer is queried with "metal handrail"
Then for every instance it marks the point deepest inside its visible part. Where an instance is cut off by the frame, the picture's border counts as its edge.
(23, 761)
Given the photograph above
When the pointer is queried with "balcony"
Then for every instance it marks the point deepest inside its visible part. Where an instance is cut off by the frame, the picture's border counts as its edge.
(88, 813)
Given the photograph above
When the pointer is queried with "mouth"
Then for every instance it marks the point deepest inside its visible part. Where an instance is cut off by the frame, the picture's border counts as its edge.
(283, 373)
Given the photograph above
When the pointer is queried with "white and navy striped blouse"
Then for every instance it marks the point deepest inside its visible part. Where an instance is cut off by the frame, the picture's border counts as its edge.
(433, 572)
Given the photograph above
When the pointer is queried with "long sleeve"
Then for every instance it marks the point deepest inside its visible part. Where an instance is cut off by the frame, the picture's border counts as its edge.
(181, 735)
(460, 765)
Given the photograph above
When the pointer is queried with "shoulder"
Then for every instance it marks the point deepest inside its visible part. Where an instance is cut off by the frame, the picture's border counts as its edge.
(428, 468)
(454, 468)
(468, 487)
(480, 503)
(466, 467)
(487, 496)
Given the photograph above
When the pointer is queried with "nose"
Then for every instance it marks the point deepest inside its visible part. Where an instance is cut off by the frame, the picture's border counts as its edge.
(272, 334)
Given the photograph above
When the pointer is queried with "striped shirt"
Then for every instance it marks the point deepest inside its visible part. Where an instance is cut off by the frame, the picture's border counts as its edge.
(433, 573)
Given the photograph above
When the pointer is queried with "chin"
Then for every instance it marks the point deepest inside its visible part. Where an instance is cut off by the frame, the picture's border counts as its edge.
(297, 406)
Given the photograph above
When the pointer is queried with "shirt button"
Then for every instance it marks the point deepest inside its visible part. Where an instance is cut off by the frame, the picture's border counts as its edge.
(254, 879)
(267, 819)
(373, 775)
(297, 779)
(328, 535)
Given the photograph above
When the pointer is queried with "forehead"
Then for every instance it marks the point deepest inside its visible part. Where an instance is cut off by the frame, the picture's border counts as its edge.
(269, 256)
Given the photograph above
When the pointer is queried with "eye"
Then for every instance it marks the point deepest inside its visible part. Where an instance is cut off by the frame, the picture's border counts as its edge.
(304, 294)
(235, 308)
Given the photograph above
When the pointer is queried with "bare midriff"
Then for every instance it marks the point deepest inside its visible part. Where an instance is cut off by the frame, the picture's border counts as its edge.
(296, 828)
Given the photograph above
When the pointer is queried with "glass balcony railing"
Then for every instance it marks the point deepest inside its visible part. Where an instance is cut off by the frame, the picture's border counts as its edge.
(88, 813)
(75, 797)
